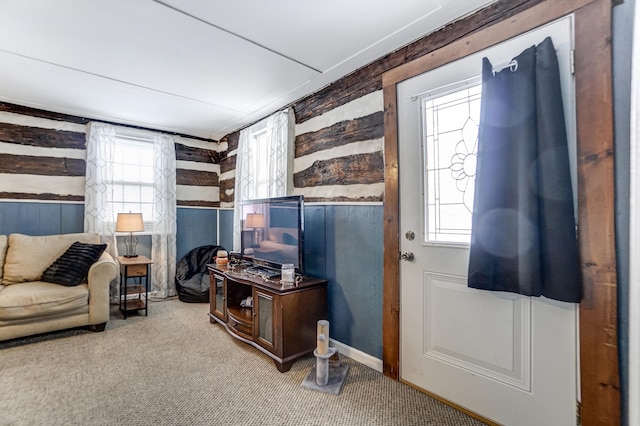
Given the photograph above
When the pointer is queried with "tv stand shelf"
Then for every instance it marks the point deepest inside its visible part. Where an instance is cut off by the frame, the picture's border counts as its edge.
(282, 322)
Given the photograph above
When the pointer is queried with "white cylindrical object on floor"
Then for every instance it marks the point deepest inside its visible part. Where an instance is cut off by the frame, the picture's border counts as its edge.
(322, 344)
(322, 371)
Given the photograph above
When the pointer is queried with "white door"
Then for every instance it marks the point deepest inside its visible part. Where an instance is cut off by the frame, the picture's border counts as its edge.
(509, 358)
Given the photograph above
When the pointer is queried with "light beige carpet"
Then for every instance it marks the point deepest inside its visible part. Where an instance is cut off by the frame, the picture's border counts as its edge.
(175, 368)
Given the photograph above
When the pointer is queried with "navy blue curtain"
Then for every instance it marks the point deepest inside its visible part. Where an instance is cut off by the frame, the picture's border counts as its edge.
(523, 237)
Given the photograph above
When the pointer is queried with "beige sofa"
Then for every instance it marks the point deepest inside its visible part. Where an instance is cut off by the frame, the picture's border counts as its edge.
(30, 306)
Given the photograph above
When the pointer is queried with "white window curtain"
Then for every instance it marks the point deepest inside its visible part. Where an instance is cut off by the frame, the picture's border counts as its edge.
(277, 163)
(100, 153)
(163, 232)
(98, 218)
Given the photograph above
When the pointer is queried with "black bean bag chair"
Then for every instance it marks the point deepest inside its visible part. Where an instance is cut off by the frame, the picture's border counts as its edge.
(192, 277)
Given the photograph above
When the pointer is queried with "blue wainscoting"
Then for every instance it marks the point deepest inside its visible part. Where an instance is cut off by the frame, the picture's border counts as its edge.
(41, 218)
(226, 229)
(195, 228)
(343, 243)
(352, 260)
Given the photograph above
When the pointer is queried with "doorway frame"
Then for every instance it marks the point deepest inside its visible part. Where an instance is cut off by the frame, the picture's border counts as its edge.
(599, 382)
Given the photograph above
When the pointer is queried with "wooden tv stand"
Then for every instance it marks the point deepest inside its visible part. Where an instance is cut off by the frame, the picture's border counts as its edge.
(282, 322)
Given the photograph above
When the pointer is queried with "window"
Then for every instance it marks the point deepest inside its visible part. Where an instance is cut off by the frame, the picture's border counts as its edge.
(450, 145)
(259, 163)
(131, 187)
(130, 170)
(262, 163)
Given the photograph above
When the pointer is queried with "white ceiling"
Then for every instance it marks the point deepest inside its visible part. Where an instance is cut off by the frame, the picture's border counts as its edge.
(198, 67)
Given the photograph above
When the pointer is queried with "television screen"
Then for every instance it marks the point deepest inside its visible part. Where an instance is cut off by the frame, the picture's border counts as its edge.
(273, 231)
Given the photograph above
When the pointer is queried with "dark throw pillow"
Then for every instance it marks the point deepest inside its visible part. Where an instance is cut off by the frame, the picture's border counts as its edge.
(289, 239)
(72, 267)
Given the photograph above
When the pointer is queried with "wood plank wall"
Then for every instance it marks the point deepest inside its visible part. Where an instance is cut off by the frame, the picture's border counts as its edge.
(42, 157)
(337, 157)
(340, 129)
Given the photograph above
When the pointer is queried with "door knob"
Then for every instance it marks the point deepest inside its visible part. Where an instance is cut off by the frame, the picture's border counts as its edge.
(407, 256)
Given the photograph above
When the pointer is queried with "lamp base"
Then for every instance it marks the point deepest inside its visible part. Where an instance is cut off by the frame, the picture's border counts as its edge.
(131, 242)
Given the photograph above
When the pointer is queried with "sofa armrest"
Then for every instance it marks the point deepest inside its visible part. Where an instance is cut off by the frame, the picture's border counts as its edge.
(99, 279)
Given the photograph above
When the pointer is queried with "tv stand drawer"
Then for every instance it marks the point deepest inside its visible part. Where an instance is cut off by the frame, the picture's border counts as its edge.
(241, 320)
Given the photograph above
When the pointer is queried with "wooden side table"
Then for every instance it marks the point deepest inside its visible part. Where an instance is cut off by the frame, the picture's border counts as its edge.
(136, 268)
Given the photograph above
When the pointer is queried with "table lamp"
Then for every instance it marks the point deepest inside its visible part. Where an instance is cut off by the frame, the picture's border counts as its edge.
(255, 221)
(130, 222)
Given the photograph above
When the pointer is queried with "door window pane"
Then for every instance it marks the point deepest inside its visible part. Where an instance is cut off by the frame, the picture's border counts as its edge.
(450, 147)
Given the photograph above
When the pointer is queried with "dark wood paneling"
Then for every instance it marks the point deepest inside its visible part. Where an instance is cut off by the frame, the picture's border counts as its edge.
(339, 93)
(196, 177)
(48, 166)
(391, 236)
(600, 394)
(342, 133)
(367, 199)
(40, 113)
(197, 203)
(200, 155)
(48, 197)
(231, 140)
(227, 164)
(355, 169)
(226, 185)
(37, 136)
(50, 115)
(476, 22)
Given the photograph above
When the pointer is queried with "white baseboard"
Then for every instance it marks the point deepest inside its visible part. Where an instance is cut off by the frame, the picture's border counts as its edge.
(357, 355)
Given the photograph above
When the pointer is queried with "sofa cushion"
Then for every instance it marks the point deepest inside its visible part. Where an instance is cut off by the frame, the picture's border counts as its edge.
(277, 234)
(289, 239)
(71, 268)
(4, 242)
(27, 257)
(39, 299)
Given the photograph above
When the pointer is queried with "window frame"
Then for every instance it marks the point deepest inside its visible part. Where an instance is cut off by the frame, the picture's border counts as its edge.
(423, 98)
(258, 140)
(140, 139)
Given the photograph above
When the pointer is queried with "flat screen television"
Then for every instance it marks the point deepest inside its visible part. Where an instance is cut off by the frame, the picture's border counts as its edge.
(273, 232)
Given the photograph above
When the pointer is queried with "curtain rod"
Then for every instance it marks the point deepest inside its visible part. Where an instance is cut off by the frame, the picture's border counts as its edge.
(513, 67)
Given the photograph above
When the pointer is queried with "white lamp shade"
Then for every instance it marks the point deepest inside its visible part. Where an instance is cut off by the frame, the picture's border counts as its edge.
(129, 222)
(255, 220)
